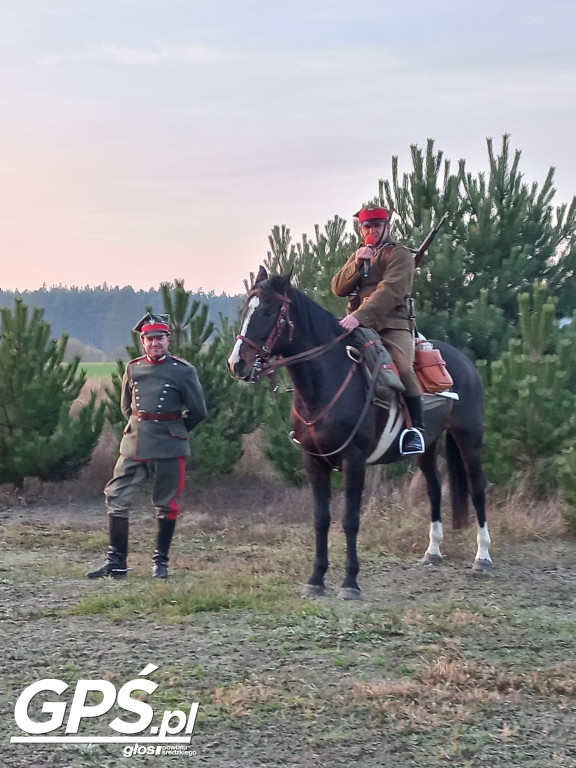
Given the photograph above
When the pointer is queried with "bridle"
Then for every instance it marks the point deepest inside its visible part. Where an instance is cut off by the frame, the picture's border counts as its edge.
(263, 365)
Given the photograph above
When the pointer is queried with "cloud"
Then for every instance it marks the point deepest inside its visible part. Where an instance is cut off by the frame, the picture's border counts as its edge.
(127, 56)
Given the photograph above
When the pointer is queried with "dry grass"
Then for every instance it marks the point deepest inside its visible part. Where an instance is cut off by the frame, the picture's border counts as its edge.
(88, 485)
(252, 505)
(395, 517)
(520, 517)
(257, 698)
(453, 688)
(241, 698)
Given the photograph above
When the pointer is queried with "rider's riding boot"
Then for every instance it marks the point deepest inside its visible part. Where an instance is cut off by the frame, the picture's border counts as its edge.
(163, 541)
(412, 440)
(115, 565)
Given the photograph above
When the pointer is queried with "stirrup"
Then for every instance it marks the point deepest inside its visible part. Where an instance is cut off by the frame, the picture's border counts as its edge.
(292, 438)
(414, 432)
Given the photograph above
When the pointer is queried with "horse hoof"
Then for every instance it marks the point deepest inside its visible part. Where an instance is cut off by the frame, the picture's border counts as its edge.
(313, 590)
(348, 593)
(429, 559)
(482, 566)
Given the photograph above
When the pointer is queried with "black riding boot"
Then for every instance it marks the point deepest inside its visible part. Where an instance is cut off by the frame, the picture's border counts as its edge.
(412, 440)
(115, 565)
(163, 541)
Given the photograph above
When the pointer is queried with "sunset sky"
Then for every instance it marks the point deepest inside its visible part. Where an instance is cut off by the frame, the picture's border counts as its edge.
(147, 140)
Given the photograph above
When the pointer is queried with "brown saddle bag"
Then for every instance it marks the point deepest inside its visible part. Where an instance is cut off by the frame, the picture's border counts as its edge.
(431, 369)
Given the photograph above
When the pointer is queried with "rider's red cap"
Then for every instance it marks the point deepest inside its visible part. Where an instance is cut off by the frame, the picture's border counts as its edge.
(370, 212)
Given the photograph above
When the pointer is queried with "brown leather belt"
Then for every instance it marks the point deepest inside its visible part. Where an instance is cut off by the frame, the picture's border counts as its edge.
(145, 416)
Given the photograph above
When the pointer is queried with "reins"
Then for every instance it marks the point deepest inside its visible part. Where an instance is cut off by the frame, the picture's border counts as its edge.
(346, 443)
(263, 366)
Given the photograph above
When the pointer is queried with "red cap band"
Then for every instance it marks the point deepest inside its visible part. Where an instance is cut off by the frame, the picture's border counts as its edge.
(158, 327)
(367, 214)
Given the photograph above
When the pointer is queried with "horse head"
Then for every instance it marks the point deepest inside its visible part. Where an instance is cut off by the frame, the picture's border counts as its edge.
(266, 326)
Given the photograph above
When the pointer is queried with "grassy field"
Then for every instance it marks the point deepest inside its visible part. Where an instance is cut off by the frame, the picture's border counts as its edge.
(434, 667)
(97, 372)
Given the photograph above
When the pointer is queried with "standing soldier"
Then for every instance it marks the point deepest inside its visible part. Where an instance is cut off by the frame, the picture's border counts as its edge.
(377, 280)
(162, 400)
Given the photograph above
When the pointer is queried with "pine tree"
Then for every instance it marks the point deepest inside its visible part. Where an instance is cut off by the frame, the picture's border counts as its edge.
(504, 234)
(114, 414)
(189, 325)
(39, 435)
(313, 263)
(477, 328)
(234, 409)
(530, 406)
(566, 473)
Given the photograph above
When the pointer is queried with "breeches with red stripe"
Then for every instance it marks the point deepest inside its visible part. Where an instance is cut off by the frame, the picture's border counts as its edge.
(167, 484)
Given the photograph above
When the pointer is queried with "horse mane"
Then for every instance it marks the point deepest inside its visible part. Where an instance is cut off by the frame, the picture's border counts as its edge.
(320, 324)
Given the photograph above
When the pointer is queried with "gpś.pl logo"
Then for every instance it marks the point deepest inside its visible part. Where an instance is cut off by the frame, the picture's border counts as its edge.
(175, 728)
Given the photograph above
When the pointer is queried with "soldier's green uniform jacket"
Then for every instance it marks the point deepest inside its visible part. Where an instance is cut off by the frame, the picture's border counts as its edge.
(162, 401)
(380, 299)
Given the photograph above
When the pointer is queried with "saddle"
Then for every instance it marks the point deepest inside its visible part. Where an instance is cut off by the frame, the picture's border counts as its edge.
(370, 352)
(376, 361)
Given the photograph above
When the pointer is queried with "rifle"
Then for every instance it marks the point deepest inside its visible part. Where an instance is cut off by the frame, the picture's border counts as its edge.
(419, 253)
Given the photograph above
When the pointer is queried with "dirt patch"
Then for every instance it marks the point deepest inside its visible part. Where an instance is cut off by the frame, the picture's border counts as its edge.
(434, 667)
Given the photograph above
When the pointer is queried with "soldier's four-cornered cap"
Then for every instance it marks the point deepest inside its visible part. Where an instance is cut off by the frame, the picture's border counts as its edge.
(153, 325)
(370, 212)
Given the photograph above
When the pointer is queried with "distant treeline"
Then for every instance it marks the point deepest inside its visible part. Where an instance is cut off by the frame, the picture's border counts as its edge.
(102, 317)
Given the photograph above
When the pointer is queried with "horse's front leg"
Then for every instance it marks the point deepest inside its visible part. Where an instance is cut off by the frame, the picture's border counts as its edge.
(354, 467)
(319, 472)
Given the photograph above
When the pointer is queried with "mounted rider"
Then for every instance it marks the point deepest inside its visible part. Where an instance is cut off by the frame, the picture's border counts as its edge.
(377, 280)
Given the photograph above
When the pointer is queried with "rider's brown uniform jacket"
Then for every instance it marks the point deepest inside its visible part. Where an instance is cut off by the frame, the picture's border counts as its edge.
(380, 300)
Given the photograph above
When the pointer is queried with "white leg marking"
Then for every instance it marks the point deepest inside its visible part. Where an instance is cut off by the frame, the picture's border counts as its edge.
(483, 539)
(235, 354)
(436, 537)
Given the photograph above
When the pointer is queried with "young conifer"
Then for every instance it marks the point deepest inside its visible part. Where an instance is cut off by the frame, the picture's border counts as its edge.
(40, 436)
(529, 399)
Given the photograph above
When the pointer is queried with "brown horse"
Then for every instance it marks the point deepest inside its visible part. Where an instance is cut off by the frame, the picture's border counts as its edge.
(337, 425)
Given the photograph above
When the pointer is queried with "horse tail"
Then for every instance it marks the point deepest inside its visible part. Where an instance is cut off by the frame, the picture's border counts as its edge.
(458, 478)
